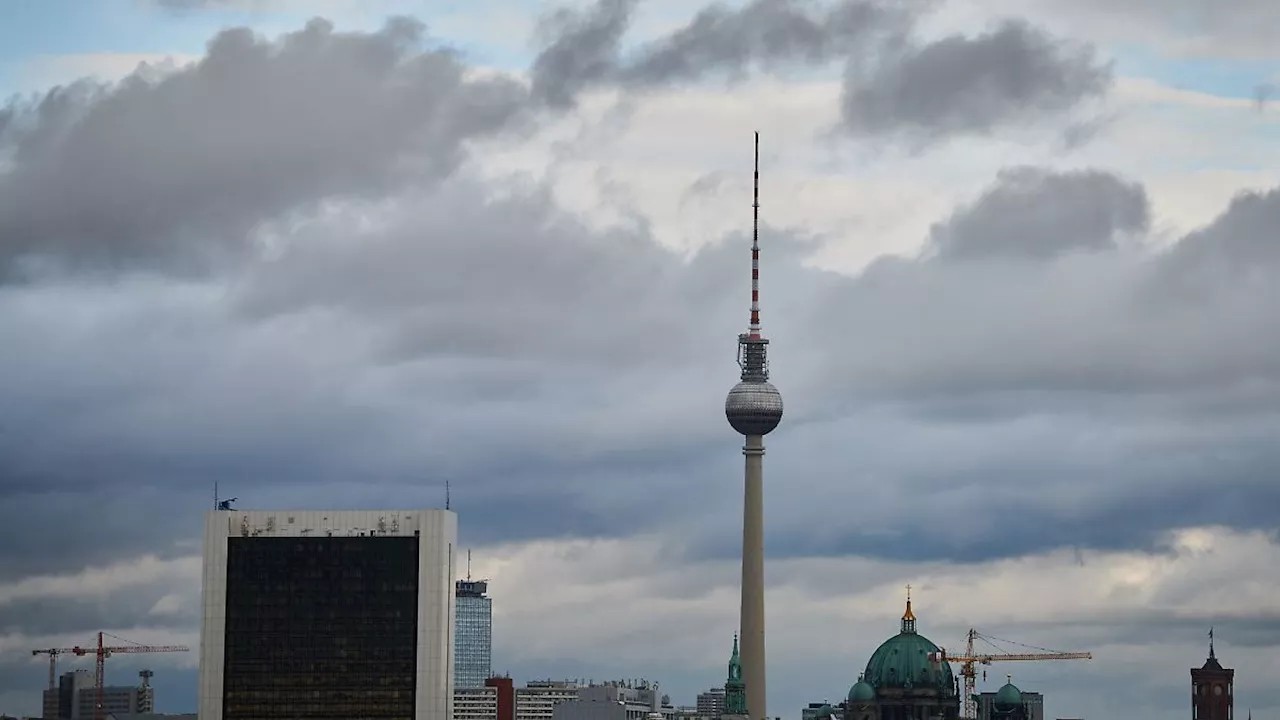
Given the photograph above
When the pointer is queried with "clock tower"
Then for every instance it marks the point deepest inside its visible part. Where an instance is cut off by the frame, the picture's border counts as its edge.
(1212, 696)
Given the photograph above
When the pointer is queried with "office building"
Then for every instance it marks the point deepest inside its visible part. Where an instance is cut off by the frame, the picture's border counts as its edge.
(76, 695)
(327, 615)
(538, 699)
(616, 701)
(473, 634)
(711, 703)
(496, 700)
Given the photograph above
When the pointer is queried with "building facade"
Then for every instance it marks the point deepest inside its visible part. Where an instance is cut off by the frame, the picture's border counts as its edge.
(616, 701)
(538, 699)
(77, 694)
(710, 703)
(495, 701)
(1212, 689)
(473, 634)
(327, 615)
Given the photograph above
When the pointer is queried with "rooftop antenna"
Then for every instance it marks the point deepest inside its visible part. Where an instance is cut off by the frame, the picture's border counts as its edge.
(219, 503)
(468, 564)
(446, 497)
(754, 328)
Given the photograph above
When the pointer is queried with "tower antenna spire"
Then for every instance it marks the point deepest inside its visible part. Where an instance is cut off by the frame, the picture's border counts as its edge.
(754, 327)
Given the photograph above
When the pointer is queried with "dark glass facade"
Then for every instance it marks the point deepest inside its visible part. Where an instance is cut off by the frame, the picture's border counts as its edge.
(321, 628)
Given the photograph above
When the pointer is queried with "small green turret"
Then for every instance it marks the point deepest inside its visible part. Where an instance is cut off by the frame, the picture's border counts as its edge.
(735, 690)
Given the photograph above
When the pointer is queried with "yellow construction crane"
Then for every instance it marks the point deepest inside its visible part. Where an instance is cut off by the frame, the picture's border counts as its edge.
(970, 659)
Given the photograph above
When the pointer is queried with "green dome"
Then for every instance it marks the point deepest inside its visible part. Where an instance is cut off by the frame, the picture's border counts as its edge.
(1008, 697)
(907, 660)
(826, 711)
(861, 692)
(904, 661)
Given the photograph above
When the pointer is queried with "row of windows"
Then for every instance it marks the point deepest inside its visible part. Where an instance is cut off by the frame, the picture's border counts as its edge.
(324, 628)
(370, 692)
(305, 683)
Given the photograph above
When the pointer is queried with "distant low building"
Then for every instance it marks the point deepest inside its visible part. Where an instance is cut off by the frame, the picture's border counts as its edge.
(616, 701)
(1010, 703)
(77, 694)
(538, 699)
(692, 713)
(820, 711)
(495, 701)
(711, 703)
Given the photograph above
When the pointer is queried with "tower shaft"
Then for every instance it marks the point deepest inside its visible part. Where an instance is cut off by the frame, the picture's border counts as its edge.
(752, 610)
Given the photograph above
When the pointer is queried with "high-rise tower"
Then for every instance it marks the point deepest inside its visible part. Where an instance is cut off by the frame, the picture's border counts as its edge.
(327, 615)
(754, 409)
(473, 632)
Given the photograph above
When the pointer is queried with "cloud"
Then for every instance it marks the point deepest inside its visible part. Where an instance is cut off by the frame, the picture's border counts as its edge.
(1196, 28)
(173, 172)
(894, 84)
(581, 50)
(972, 85)
(1035, 214)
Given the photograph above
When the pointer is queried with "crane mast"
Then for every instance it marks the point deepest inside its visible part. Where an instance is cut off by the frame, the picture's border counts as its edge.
(970, 660)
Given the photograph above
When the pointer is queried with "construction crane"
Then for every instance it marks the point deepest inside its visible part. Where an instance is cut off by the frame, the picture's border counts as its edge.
(970, 659)
(101, 653)
(53, 654)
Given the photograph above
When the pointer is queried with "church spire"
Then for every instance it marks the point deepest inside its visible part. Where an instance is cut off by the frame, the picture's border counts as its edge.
(735, 690)
(908, 617)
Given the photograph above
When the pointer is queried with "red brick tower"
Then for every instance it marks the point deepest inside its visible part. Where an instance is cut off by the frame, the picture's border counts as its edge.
(1212, 696)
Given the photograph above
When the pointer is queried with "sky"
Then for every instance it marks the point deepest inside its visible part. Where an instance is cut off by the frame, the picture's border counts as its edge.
(334, 254)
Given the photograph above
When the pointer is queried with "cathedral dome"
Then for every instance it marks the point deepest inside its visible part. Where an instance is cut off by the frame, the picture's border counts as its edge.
(861, 692)
(1008, 697)
(908, 660)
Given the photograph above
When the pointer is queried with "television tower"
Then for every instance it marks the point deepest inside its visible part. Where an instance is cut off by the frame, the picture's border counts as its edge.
(754, 409)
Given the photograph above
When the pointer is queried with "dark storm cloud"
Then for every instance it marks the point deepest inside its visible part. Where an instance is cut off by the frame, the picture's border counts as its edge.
(174, 171)
(584, 48)
(1033, 213)
(1239, 239)
(971, 85)
(581, 50)
(767, 32)
(894, 85)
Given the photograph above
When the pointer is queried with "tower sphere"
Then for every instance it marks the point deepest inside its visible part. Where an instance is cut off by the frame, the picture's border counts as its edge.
(753, 408)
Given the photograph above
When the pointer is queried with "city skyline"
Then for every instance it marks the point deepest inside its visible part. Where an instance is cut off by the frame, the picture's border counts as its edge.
(1019, 320)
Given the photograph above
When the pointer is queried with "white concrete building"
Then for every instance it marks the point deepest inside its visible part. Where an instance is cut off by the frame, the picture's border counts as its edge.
(538, 699)
(324, 611)
(479, 703)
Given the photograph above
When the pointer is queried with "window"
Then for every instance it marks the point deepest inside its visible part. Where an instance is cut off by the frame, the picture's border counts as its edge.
(321, 627)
